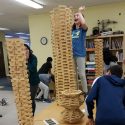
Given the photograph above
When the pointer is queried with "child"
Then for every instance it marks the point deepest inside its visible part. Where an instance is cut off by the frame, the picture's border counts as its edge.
(79, 30)
(109, 93)
(33, 75)
(109, 59)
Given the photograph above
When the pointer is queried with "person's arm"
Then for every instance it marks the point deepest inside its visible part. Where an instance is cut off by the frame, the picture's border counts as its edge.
(124, 61)
(50, 67)
(32, 64)
(90, 122)
(124, 98)
(82, 19)
(49, 71)
(39, 71)
(89, 101)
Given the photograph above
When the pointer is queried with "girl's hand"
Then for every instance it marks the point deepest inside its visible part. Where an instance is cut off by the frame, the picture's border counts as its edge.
(82, 8)
(124, 61)
(27, 53)
(90, 122)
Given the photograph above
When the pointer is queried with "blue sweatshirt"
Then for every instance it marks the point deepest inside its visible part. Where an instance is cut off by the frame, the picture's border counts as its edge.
(109, 93)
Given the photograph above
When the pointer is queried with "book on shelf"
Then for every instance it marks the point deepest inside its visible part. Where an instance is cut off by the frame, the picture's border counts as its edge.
(90, 49)
(90, 63)
(90, 66)
(90, 82)
(90, 77)
(119, 56)
(106, 43)
(90, 74)
(90, 69)
(116, 44)
(90, 44)
(92, 57)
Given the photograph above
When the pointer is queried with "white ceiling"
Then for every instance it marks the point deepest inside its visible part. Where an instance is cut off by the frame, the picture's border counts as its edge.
(14, 15)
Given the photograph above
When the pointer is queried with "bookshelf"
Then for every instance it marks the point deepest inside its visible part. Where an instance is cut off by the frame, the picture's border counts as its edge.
(116, 44)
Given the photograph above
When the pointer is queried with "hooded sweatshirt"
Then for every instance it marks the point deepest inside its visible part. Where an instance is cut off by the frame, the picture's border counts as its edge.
(109, 93)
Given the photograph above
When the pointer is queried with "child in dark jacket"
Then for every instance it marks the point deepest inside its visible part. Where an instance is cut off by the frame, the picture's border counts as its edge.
(109, 93)
(33, 75)
(109, 59)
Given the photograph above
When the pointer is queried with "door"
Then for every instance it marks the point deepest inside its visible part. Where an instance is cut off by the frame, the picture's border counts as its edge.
(2, 66)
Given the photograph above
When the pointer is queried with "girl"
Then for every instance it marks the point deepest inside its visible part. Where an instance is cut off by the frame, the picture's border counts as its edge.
(33, 75)
(79, 30)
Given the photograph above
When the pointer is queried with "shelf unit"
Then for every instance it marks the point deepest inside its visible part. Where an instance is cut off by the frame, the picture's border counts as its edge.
(116, 44)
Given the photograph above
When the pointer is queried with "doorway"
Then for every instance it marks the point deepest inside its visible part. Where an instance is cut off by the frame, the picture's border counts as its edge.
(2, 65)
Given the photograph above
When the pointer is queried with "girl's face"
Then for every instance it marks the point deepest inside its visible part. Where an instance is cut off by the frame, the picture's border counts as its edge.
(76, 18)
(108, 72)
(27, 53)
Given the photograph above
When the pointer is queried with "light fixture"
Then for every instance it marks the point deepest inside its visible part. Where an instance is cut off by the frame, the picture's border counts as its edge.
(24, 37)
(8, 36)
(20, 33)
(31, 3)
(1, 28)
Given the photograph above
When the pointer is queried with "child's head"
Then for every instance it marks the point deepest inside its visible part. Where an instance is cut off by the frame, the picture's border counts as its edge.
(106, 56)
(116, 70)
(49, 59)
(77, 20)
(28, 51)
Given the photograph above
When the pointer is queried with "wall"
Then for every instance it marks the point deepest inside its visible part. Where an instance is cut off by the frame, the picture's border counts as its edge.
(40, 26)
(2, 38)
(108, 11)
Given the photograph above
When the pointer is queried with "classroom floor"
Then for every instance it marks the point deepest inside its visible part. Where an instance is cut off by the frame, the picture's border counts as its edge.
(9, 111)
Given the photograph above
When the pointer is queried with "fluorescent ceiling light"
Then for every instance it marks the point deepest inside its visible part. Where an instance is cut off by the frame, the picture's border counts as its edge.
(31, 3)
(20, 33)
(24, 37)
(8, 36)
(3, 28)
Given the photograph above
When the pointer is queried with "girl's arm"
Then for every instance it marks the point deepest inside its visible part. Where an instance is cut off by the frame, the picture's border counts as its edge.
(81, 18)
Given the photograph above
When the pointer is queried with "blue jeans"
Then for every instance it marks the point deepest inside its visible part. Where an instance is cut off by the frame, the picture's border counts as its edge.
(45, 78)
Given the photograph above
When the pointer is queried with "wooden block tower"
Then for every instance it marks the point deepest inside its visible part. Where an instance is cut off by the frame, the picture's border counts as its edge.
(19, 79)
(98, 57)
(71, 101)
(65, 76)
(61, 23)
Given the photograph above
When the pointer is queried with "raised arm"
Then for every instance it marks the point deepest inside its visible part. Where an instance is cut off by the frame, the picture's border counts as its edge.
(81, 17)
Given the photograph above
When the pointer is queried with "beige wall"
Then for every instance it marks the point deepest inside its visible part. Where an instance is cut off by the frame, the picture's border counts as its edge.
(40, 26)
(110, 11)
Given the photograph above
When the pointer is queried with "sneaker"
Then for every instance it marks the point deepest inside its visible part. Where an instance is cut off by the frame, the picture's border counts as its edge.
(47, 100)
(37, 99)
